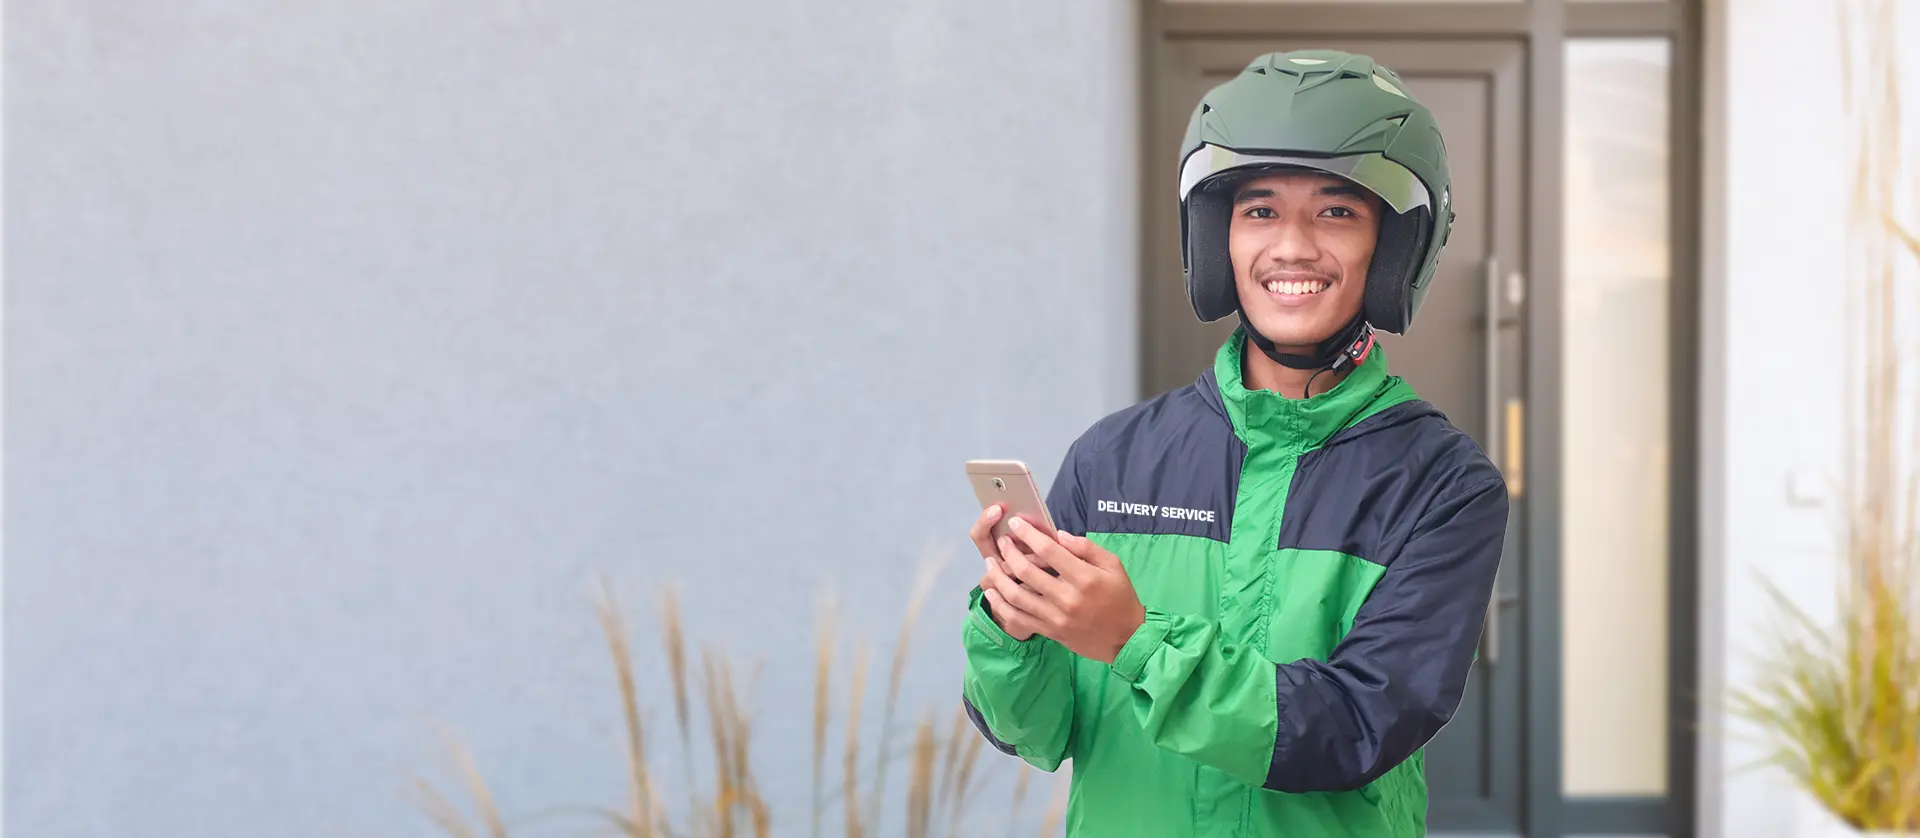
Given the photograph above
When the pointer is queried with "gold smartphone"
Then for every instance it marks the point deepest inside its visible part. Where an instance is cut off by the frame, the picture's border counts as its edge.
(1010, 484)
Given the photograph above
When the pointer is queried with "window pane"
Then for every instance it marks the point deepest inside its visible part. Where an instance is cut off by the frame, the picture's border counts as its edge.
(1614, 571)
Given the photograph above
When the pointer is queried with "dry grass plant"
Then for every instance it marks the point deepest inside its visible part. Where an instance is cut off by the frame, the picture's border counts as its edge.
(1840, 705)
(941, 761)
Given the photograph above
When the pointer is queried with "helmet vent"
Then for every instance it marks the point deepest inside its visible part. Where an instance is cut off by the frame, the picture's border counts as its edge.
(1388, 86)
(1314, 78)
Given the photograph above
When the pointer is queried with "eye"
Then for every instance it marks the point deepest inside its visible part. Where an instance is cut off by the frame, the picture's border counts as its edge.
(1342, 212)
(1259, 212)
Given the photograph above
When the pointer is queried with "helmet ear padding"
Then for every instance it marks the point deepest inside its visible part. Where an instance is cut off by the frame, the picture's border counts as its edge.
(1397, 256)
(1206, 220)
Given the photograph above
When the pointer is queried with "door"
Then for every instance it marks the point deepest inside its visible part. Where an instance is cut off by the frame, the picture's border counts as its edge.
(1455, 356)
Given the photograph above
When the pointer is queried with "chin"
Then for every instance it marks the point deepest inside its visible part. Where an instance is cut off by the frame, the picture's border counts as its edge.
(1285, 333)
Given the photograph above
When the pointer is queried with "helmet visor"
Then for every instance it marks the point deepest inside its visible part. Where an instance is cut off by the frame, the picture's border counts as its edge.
(1393, 182)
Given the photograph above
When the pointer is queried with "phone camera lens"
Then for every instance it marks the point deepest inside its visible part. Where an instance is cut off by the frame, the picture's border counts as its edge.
(999, 484)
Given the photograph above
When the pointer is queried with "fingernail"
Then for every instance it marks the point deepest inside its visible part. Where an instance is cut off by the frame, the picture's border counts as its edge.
(1013, 524)
(993, 511)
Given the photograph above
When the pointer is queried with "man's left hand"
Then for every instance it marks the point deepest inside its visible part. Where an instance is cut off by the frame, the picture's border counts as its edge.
(1090, 608)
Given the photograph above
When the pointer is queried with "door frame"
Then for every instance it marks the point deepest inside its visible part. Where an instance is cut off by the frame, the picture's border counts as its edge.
(1543, 27)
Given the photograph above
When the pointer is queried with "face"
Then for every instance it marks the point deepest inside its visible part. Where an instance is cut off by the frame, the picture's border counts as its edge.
(1301, 243)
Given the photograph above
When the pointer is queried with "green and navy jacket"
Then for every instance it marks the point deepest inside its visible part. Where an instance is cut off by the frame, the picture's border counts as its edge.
(1315, 574)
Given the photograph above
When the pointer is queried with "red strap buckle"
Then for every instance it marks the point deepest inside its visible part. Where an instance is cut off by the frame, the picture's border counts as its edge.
(1361, 348)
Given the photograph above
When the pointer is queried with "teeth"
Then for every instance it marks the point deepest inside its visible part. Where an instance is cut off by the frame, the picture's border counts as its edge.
(1300, 286)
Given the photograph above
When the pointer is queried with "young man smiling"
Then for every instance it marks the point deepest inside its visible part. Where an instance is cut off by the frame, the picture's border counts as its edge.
(1271, 661)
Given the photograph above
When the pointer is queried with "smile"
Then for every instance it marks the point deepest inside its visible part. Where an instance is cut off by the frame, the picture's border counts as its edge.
(1296, 287)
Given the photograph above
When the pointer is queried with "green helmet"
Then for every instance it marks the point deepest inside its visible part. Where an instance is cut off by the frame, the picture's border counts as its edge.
(1337, 113)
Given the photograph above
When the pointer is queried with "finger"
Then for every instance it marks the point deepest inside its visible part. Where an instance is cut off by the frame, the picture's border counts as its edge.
(1011, 619)
(1009, 547)
(992, 565)
(997, 575)
(1009, 550)
(1022, 567)
(982, 530)
(1085, 550)
(1035, 605)
(1050, 552)
(995, 594)
(995, 564)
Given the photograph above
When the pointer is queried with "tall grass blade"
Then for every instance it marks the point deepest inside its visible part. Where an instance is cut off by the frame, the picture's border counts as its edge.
(850, 788)
(435, 805)
(1056, 810)
(640, 792)
(822, 700)
(949, 764)
(673, 637)
(920, 783)
(922, 586)
(1019, 797)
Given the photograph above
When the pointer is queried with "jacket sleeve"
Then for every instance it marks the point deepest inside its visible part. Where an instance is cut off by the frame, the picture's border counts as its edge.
(1020, 693)
(1333, 725)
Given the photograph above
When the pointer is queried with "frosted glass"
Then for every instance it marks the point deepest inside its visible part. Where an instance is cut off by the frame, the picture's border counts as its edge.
(1615, 418)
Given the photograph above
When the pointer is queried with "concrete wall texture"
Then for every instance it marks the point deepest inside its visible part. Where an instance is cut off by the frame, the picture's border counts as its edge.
(345, 343)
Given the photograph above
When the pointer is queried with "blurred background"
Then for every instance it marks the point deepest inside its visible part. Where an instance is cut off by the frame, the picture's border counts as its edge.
(348, 345)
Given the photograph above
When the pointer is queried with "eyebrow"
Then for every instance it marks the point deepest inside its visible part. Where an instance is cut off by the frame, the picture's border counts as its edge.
(1340, 189)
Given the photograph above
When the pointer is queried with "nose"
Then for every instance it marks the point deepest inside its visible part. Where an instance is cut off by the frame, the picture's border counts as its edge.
(1294, 242)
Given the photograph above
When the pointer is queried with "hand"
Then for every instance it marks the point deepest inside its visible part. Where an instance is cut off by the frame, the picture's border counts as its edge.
(1016, 625)
(983, 540)
(1090, 608)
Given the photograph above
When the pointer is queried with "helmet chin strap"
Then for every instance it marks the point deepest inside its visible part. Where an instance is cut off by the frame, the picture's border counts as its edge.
(1347, 347)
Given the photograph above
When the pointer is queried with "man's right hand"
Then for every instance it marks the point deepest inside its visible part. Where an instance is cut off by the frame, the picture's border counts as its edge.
(1018, 624)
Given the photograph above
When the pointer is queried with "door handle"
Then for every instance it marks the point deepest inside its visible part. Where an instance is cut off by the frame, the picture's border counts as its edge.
(1514, 464)
(1490, 634)
(1491, 349)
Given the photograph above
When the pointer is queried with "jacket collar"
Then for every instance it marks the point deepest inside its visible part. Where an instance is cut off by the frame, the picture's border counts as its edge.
(1263, 418)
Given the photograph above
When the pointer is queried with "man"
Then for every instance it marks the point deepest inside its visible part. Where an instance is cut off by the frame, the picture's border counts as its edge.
(1270, 583)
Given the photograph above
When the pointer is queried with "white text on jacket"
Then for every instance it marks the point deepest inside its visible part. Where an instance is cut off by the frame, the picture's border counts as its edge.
(1150, 510)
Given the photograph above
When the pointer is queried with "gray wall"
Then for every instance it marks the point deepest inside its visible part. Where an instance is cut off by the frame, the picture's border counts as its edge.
(345, 343)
